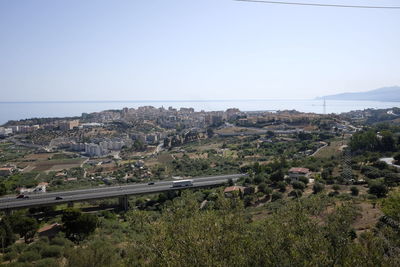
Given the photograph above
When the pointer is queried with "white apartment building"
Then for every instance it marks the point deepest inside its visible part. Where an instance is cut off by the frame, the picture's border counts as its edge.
(94, 150)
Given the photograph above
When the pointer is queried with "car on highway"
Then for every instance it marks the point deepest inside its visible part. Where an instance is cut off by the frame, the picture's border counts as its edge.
(59, 198)
(151, 183)
(22, 196)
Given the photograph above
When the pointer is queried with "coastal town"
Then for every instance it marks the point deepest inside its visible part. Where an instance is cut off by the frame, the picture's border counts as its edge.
(112, 165)
(100, 145)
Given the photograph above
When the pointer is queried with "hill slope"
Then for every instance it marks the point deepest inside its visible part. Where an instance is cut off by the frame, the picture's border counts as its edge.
(387, 94)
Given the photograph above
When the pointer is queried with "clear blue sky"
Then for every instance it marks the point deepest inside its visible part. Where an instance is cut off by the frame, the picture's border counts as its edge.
(186, 49)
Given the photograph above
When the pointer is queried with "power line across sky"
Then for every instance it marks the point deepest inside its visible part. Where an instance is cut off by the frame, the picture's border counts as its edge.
(318, 4)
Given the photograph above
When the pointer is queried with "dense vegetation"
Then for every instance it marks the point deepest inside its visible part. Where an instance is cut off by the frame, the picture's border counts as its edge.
(312, 231)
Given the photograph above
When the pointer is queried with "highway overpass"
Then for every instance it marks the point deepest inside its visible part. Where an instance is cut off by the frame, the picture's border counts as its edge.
(121, 192)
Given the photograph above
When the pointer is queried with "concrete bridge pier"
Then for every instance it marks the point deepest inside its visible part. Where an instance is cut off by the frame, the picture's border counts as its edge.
(123, 202)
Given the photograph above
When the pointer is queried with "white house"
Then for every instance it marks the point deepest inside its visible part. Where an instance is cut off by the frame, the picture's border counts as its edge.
(295, 173)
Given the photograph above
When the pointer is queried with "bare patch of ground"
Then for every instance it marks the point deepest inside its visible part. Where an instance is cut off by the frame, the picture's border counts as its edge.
(368, 218)
(56, 165)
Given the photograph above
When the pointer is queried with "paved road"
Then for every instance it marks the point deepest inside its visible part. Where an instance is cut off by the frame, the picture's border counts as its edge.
(389, 161)
(319, 149)
(48, 199)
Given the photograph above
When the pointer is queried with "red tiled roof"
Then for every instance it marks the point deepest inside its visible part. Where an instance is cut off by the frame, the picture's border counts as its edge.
(48, 227)
(233, 188)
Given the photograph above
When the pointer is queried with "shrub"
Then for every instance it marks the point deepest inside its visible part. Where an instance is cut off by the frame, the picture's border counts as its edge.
(51, 252)
(108, 214)
(277, 176)
(330, 180)
(296, 193)
(59, 241)
(298, 185)
(19, 247)
(378, 189)
(25, 226)
(259, 194)
(318, 187)
(304, 179)
(333, 193)
(354, 191)
(250, 190)
(371, 172)
(36, 247)
(259, 179)
(345, 196)
(49, 262)
(212, 197)
(248, 200)
(262, 187)
(44, 239)
(10, 256)
(336, 187)
(282, 186)
(276, 195)
(247, 181)
(29, 256)
(78, 226)
(268, 191)
(381, 165)
(391, 206)
(325, 173)
(6, 232)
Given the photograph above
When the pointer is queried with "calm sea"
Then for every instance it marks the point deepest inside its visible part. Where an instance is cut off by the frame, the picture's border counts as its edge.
(24, 110)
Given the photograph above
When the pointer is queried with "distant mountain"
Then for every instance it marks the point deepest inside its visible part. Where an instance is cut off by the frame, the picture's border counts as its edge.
(386, 94)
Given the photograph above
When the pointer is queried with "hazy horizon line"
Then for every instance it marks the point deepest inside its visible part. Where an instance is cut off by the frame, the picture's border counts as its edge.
(150, 101)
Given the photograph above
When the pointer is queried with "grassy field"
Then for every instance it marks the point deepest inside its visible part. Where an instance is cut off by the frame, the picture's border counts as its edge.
(56, 165)
(36, 157)
(334, 149)
(238, 130)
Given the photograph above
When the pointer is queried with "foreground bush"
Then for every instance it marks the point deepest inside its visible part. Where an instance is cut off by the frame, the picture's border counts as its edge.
(290, 236)
(51, 252)
(29, 256)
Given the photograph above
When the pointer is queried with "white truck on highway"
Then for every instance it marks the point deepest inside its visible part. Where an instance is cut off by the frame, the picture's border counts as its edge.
(182, 183)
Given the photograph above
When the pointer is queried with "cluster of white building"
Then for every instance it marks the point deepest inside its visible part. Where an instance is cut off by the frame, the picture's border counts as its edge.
(112, 145)
(98, 150)
(151, 138)
(5, 131)
(62, 125)
(95, 150)
(91, 125)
